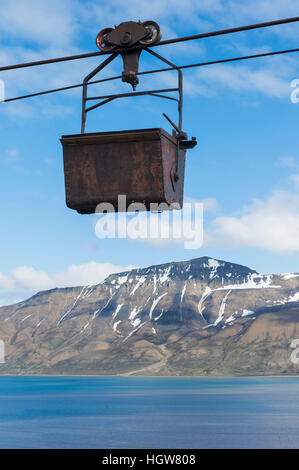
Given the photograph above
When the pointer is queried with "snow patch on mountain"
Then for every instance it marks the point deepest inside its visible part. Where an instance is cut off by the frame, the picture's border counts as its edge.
(155, 303)
(183, 293)
(122, 279)
(165, 275)
(115, 325)
(254, 281)
(117, 310)
(134, 313)
(77, 299)
(288, 276)
(294, 298)
(141, 280)
(204, 296)
(247, 312)
(222, 309)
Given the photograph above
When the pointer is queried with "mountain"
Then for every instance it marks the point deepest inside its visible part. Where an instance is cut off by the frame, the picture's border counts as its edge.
(197, 317)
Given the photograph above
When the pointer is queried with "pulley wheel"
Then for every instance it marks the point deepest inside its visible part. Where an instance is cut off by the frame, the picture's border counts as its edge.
(101, 43)
(154, 32)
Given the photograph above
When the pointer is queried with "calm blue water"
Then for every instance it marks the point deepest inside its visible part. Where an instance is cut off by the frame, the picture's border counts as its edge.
(111, 412)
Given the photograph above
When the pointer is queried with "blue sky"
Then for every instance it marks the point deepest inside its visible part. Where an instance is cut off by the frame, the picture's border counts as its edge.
(245, 168)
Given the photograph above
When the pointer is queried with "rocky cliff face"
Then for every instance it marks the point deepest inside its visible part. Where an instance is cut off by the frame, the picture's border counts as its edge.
(197, 317)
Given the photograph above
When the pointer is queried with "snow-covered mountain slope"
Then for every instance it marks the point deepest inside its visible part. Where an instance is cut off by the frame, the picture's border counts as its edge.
(96, 329)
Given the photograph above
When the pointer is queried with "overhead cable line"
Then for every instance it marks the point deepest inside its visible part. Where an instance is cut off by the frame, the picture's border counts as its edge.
(161, 43)
(200, 64)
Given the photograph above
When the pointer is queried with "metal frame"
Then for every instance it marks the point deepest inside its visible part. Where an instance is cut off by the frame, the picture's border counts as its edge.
(107, 98)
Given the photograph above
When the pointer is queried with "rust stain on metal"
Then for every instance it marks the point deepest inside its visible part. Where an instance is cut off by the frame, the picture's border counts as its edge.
(146, 165)
(140, 164)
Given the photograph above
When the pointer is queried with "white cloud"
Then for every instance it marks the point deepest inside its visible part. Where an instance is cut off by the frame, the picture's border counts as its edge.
(210, 204)
(295, 179)
(27, 277)
(267, 10)
(268, 80)
(198, 14)
(23, 281)
(86, 274)
(39, 21)
(271, 223)
(288, 161)
(164, 12)
(13, 155)
(270, 77)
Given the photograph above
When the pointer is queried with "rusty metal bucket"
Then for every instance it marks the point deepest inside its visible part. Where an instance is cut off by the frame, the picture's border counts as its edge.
(146, 165)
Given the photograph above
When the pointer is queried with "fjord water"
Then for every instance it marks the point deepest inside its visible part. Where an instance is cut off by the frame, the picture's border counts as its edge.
(131, 412)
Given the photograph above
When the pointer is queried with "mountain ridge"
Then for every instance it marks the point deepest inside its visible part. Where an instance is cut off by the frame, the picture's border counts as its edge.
(178, 318)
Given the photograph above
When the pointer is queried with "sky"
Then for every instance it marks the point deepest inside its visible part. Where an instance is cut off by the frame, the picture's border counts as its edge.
(245, 168)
